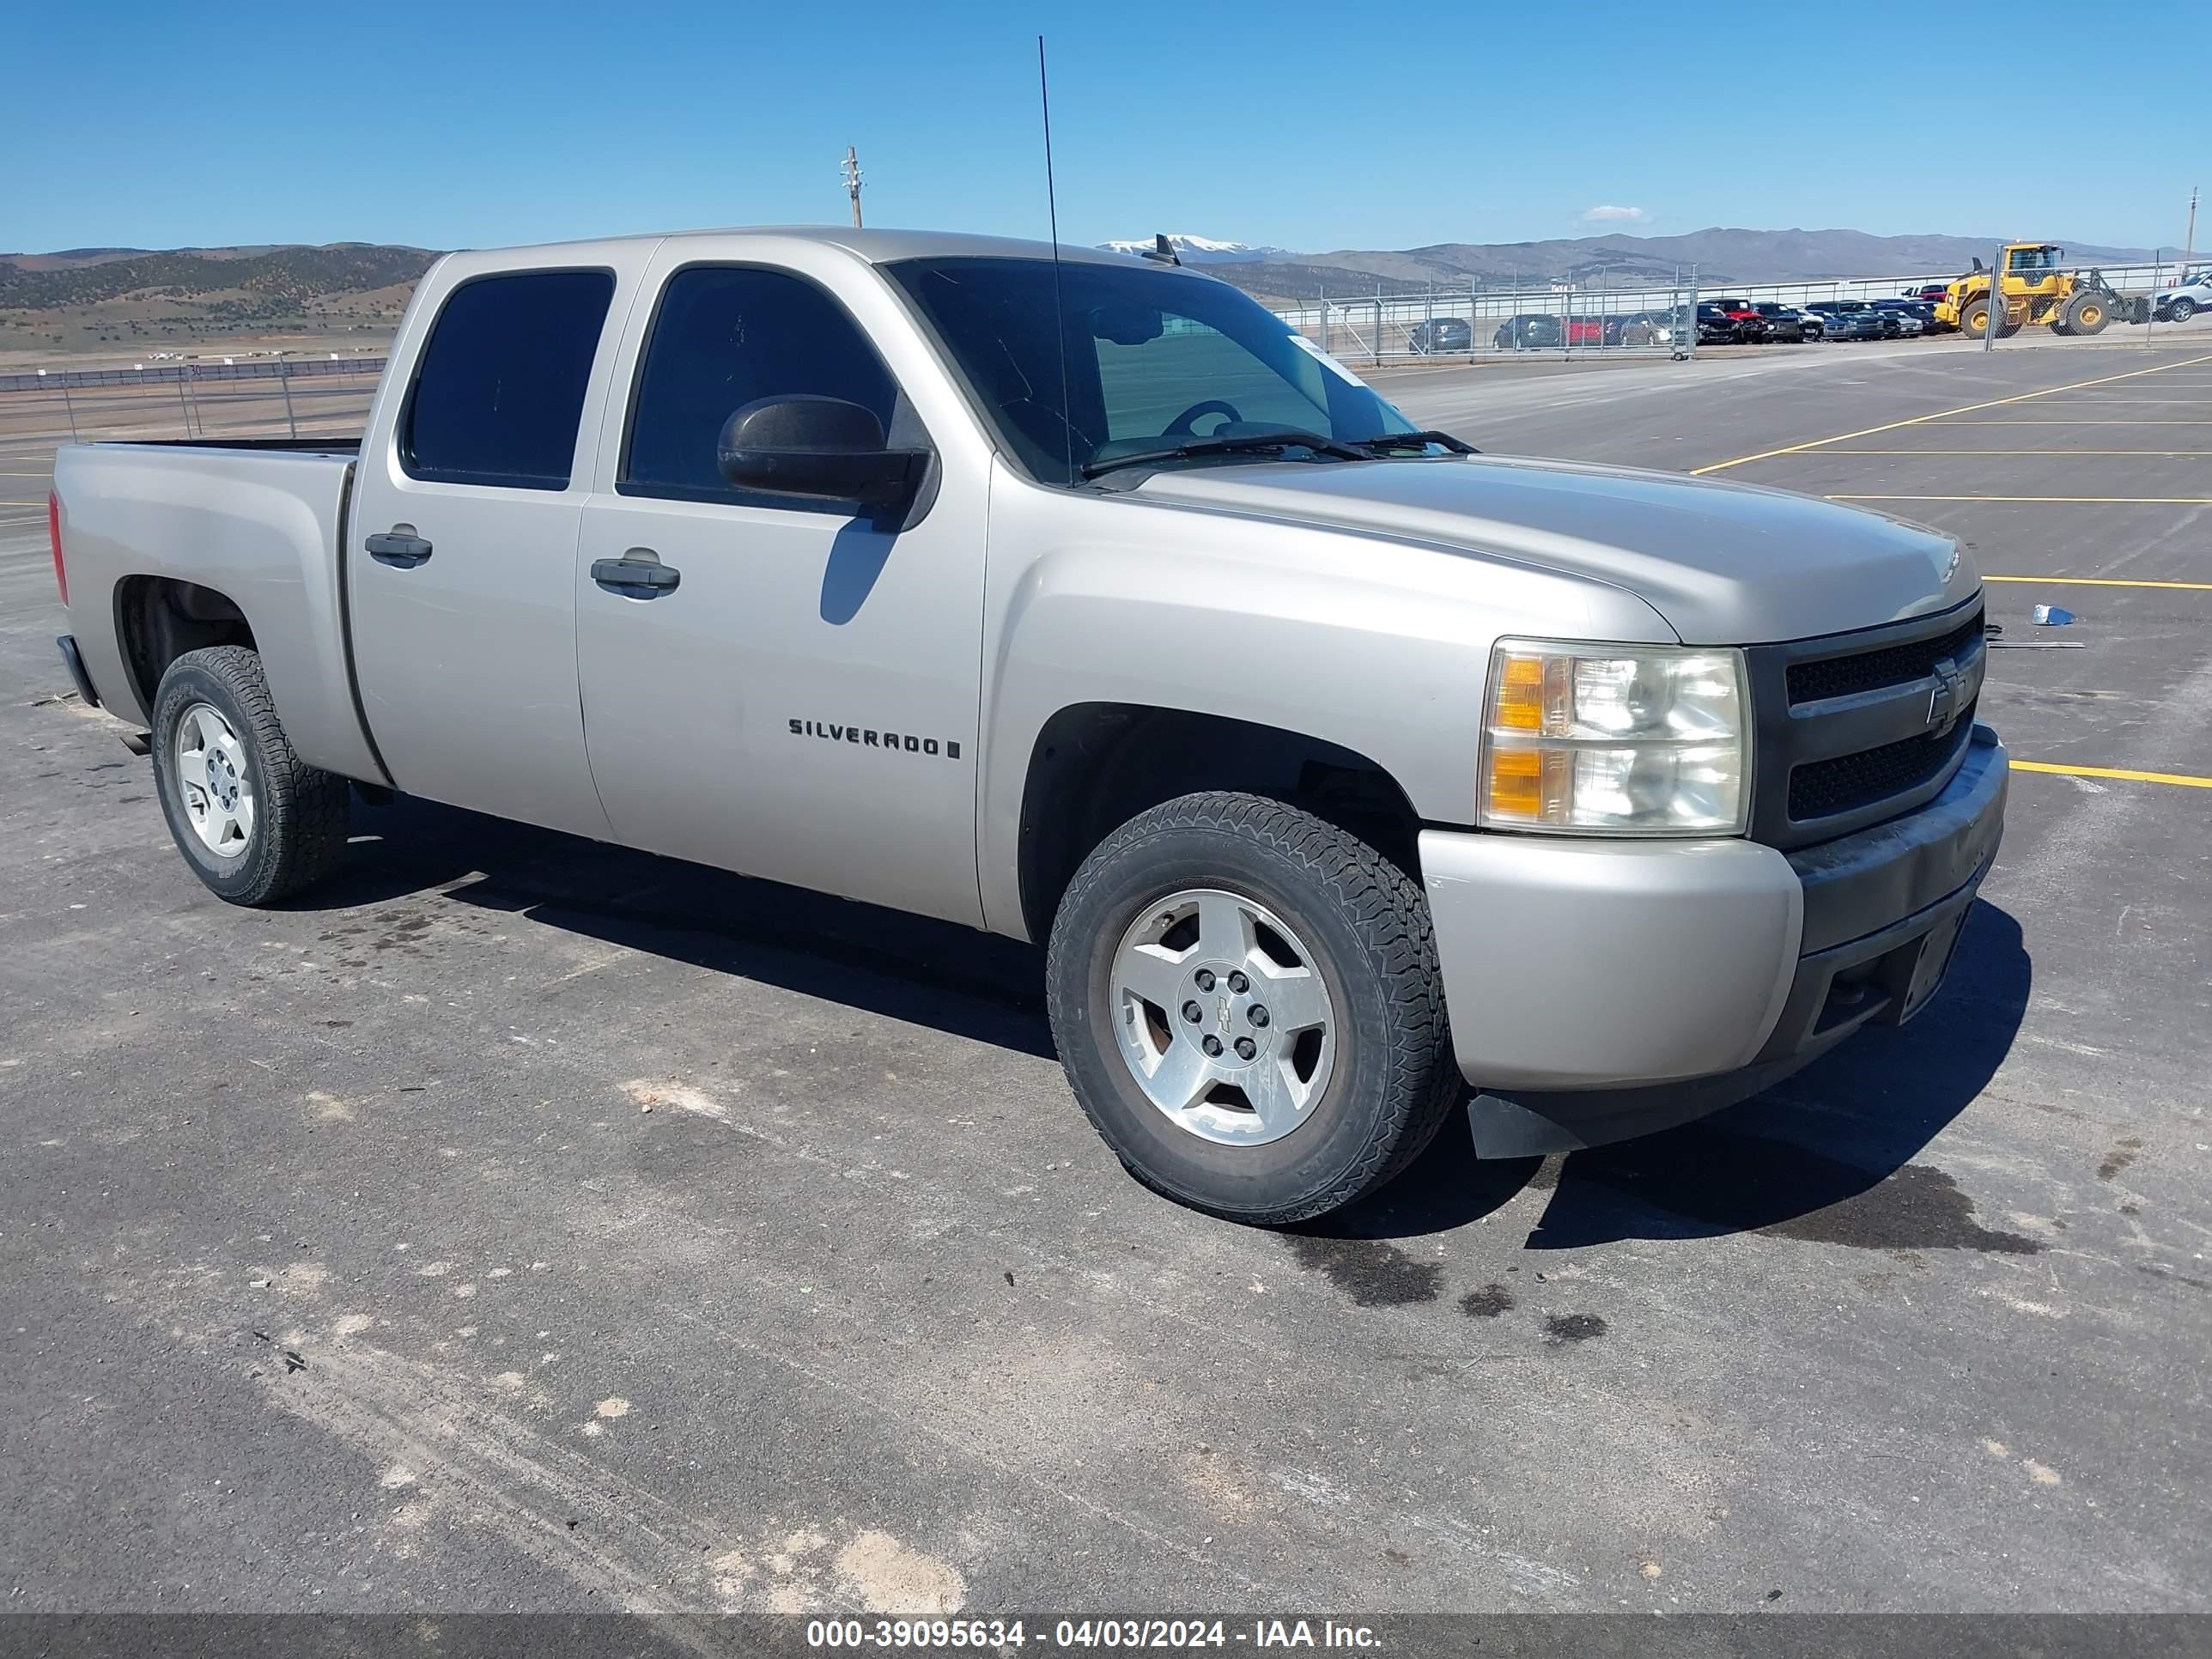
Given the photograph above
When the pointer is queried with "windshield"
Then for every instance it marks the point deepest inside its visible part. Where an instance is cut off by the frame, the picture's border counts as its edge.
(1154, 357)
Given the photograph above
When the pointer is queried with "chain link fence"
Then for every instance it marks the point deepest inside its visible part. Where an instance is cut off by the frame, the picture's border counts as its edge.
(1564, 317)
(310, 399)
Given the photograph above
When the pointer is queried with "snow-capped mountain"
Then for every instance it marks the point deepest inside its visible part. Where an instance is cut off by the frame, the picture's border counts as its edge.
(1203, 250)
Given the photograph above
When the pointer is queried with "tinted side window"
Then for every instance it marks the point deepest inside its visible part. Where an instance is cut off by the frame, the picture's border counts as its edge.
(723, 338)
(500, 387)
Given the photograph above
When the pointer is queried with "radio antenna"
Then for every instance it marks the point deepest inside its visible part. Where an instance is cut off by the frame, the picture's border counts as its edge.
(1059, 300)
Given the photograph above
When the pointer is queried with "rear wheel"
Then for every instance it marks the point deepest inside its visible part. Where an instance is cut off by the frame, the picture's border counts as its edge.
(256, 823)
(1247, 1002)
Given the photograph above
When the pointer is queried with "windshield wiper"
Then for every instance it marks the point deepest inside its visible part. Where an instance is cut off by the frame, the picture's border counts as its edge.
(1417, 441)
(1242, 444)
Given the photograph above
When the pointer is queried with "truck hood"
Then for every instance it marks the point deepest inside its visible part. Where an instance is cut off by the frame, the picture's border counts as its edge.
(1724, 563)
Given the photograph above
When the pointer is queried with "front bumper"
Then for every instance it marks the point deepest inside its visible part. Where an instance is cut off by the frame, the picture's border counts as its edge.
(1599, 990)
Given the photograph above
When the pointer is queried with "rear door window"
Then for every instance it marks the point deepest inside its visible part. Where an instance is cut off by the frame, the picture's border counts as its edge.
(500, 387)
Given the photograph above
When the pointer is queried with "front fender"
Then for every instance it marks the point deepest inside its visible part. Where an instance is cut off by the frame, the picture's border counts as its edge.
(1376, 644)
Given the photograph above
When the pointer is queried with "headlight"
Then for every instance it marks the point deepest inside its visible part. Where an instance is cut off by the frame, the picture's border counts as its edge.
(1608, 739)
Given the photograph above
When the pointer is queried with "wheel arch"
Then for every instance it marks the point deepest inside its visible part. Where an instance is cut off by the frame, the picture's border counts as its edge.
(159, 618)
(1094, 766)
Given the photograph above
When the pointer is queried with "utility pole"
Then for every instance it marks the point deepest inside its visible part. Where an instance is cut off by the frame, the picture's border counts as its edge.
(2189, 243)
(852, 182)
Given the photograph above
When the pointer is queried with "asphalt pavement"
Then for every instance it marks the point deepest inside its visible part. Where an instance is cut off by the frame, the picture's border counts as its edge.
(521, 1224)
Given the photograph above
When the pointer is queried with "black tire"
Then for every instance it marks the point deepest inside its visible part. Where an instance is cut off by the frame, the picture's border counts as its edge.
(1366, 925)
(300, 810)
(2181, 310)
(2084, 312)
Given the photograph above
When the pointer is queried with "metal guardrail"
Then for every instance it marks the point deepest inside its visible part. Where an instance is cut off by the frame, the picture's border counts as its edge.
(272, 368)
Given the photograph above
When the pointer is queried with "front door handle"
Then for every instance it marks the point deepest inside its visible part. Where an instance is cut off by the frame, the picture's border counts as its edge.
(638, 573)
(399, 546)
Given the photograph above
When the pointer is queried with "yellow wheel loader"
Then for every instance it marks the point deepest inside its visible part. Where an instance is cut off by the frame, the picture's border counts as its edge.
(2035, 289)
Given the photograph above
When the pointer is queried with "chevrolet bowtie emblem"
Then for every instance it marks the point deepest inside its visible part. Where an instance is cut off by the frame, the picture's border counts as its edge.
(1949, 698)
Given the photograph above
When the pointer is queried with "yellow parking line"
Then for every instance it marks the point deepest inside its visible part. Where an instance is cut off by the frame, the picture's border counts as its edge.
(2100, 581)
(2169, 453)
(1922, 420)
(2101, 500)
(2057, 422)
(2180, 779)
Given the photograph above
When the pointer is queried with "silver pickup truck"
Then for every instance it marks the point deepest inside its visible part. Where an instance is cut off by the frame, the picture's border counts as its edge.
(1348, 777)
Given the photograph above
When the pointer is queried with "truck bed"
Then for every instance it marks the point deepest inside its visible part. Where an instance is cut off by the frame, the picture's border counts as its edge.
(257, 520)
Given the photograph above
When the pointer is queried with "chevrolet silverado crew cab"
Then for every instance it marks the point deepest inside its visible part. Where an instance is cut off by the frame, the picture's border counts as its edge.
(1348, 778)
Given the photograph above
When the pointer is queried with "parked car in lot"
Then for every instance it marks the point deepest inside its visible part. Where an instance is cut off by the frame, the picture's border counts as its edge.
(1717, 327)
(1913, 319)
(1644, 328)
(1442, 334)
(1928, 293)
(1784, 323)
(1884, 325)
(1532, 330)
(2191, 294)
(1350, 780)
(1852, 320)
(1813, 325)
(1751, 326)
(1585, 330)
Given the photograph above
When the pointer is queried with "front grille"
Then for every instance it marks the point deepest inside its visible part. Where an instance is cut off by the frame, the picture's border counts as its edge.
(1843, 722)
(1872, 670)
(1824, 789)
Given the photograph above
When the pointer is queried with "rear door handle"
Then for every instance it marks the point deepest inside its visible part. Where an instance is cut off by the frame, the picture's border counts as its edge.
(638, 573)
(399, 546)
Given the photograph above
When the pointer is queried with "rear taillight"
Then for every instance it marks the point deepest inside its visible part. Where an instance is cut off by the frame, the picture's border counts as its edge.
(54, 533)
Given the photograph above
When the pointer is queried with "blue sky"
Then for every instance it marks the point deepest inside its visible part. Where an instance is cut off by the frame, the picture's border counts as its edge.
(1307, 126)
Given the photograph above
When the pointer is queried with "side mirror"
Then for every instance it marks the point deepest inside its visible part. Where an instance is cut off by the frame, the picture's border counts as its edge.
(820, 448)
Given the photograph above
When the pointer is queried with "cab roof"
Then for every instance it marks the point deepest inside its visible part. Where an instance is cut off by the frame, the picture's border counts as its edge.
(875, 246)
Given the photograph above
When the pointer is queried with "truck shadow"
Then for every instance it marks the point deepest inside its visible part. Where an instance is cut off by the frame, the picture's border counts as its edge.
(937, 973)
(1828, 1155)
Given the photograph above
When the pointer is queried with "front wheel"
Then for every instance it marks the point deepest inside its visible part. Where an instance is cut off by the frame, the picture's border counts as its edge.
(2084, 312)
(1247, 1002)
(255, 822)
(2182, 310)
